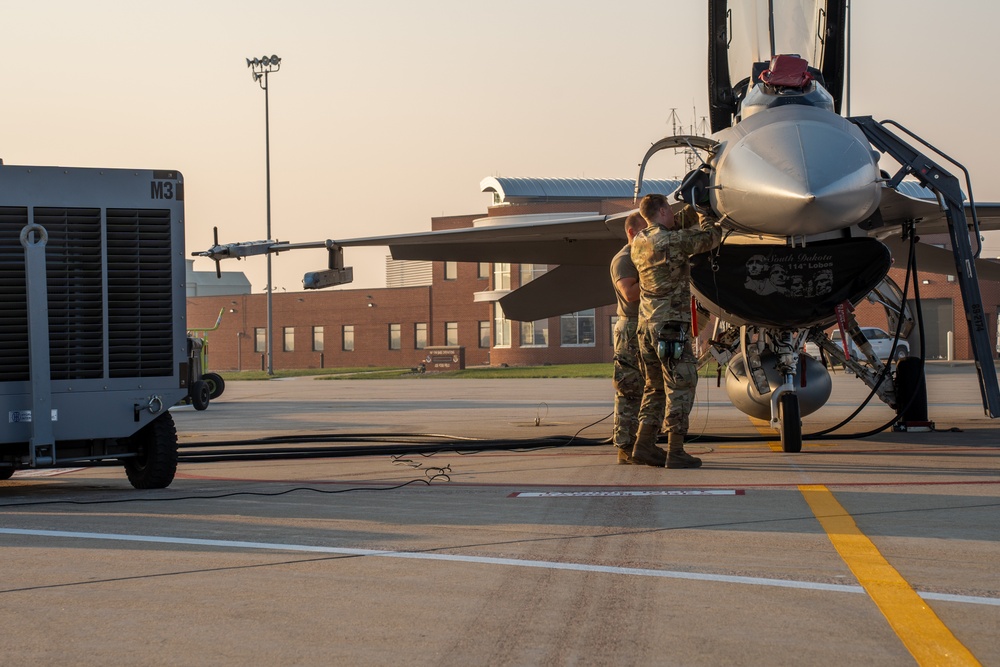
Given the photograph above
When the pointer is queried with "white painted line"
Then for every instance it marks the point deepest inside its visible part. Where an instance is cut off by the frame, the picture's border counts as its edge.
(619, 494)
(43, 472)
(511, 562)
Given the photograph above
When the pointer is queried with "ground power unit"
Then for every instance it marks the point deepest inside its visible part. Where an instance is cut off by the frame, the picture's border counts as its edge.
(93, 345)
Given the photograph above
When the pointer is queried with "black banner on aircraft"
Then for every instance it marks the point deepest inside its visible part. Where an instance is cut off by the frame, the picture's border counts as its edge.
(781, 286)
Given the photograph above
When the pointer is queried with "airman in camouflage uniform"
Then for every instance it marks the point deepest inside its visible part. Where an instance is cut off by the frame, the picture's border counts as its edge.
(628, 378)
(661, 255)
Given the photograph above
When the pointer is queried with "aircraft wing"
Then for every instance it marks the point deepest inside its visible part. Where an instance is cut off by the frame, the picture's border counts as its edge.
(932, 259)
(581, 246)
(576, 240)
(564, 289)
(898, 207)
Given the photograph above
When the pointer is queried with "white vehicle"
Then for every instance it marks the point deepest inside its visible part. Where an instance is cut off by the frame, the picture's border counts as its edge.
(881, 343)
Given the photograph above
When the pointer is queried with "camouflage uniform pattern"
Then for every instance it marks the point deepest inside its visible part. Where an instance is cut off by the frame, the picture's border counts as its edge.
(661, 256)
(629, 382)
(669, 391)
(628, 377)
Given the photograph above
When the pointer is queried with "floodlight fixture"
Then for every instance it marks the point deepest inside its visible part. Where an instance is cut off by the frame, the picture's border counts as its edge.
(261, 67)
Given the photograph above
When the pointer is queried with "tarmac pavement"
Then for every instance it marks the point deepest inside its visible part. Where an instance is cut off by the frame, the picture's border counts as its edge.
(878, 550)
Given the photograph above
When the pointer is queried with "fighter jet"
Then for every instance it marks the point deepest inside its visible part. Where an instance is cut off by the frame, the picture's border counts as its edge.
(811, 223)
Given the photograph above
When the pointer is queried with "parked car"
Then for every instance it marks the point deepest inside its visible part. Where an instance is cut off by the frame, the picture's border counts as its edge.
(880, 340)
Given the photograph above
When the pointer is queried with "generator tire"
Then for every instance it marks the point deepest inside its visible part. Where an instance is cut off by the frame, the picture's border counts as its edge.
(155, 462)
(200, 395)
(216, 385)
(6, 473)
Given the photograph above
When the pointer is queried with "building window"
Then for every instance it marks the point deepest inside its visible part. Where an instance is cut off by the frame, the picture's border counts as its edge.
(451, 333)
(535, 334)
(420, 335)
(260, 339)
(501, 276)
(501, 327)
(288, 339)
(577, 328)
(484, 334)
(531, 271)
(347, 331)
(450, 270)
(317, 339)
(484, 270)
(395, 336)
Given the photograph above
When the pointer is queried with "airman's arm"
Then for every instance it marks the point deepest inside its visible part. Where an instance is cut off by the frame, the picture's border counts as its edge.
(628, 288)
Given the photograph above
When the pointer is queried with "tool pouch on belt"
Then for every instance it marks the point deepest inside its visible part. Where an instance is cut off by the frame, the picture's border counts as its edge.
(670, 341)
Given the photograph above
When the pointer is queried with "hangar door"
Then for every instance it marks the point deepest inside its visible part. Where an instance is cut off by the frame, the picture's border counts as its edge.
(939, 319)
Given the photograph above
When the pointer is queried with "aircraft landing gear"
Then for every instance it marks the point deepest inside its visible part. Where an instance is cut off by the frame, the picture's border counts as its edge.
(791, 422)
(786, 414)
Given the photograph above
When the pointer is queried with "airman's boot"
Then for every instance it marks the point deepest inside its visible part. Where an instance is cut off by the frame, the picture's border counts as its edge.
(625, 457)
(645, 450)
(676, 456)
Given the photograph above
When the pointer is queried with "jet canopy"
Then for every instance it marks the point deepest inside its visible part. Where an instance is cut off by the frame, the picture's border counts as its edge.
(745, 35)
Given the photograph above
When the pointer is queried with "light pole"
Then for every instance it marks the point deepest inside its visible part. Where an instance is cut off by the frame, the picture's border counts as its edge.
(261, 67)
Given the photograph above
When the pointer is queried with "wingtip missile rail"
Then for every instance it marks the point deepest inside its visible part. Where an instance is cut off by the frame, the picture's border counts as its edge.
(336, 274)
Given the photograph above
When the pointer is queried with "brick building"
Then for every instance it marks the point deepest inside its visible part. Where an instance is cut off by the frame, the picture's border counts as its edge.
(946, 334)
(454, 303)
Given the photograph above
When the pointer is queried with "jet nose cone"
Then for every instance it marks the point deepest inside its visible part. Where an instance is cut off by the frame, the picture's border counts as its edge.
(796, 171)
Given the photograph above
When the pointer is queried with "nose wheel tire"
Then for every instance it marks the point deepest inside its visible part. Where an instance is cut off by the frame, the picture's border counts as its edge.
(791, 422)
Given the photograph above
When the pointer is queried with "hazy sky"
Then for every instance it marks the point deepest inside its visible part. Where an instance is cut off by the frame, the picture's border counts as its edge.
(386, 113)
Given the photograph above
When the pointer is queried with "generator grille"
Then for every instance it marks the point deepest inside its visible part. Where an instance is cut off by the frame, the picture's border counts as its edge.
(13, 296)
(139, 330)
(140, 303)
(73, 271)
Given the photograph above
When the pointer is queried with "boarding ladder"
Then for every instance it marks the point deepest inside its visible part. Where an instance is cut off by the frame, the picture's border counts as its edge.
(946, 186)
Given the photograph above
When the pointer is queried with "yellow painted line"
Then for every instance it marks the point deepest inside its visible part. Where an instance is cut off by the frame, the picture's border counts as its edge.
(764, 428)
(923, 634)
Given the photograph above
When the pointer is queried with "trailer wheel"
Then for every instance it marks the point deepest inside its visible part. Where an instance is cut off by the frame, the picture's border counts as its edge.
(216, 385)
(6, 473)
(200, 395)
(155, 462)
